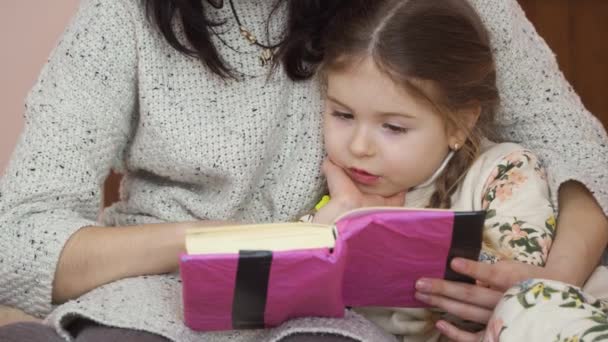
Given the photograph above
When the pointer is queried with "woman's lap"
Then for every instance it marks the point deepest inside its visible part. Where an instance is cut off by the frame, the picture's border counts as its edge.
(90, 332)
(308, 337)
(28, 331)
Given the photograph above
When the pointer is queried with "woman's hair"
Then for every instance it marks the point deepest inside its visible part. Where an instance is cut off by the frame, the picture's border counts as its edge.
(299, 51)
(438, 49)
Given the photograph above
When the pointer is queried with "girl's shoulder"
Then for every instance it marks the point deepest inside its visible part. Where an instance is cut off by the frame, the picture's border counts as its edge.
(499, 161)
(492, 153)
(495, 157)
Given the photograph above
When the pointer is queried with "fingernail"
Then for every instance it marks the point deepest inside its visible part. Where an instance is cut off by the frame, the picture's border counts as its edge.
(423, 285)
(457, 263)
(421, 297)
(441, 326)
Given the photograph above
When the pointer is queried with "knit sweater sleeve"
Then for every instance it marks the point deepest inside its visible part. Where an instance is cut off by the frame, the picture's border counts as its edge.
(77, 123)
(539, 109)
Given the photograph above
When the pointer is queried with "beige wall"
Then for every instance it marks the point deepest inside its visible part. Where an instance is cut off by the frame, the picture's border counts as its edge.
(29, 30)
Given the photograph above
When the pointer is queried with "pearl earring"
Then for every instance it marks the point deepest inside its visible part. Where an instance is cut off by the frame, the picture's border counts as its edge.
(456, 146)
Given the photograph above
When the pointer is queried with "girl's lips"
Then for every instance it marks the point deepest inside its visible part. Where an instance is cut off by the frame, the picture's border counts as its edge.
(363, 177)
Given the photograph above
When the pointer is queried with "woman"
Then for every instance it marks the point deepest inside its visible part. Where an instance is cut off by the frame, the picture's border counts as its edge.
(214, 138)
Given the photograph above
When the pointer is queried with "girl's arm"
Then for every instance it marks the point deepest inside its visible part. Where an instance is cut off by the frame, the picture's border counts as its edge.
(520, 219)
(518, 230)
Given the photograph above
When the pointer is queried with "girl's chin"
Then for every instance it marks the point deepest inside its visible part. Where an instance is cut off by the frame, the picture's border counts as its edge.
(367, 190)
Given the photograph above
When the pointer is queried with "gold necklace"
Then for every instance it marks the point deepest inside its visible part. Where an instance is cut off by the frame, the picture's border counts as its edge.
(267, 54)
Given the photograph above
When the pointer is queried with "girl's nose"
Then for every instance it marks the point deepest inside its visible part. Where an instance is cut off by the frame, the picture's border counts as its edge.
(361, 144)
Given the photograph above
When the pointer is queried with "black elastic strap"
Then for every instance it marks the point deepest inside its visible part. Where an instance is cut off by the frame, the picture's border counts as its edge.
(466, 242)
(251, 289)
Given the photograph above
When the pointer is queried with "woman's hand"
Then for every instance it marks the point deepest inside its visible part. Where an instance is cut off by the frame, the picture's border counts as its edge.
(346, 196)
(9, 315)
(474, 302)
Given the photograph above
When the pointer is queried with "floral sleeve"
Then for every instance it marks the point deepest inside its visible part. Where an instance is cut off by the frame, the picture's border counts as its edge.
(546, 310)
(520, 221)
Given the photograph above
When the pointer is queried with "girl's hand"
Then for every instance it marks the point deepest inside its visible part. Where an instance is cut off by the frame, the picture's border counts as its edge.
(456, 334)
(344, 190)
(346, 196)
(474, 302)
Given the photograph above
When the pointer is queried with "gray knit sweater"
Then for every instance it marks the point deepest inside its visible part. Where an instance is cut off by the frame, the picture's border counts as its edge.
(114, 94)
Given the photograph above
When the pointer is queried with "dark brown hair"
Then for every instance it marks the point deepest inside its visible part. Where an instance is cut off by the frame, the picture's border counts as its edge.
(299, 52)
(441, 43)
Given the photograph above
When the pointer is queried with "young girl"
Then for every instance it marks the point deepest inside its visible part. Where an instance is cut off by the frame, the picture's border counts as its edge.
(411, 91)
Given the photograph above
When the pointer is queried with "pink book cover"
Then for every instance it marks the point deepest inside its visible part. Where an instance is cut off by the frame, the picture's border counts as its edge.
(378, 256)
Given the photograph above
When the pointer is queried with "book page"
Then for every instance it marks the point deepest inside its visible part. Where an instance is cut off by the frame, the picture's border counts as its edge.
(267, 237)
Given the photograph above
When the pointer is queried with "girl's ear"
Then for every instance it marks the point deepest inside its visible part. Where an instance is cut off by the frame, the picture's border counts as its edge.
(466, 119)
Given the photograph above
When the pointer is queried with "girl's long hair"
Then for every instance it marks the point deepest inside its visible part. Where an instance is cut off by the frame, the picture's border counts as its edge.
(299, 53)
(441, 43)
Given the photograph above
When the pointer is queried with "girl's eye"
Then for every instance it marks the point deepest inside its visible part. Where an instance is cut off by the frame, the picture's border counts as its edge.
(395, 129)
(343, 116)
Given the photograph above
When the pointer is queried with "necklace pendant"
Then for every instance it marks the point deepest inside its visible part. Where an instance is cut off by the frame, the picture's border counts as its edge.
(248, 35)
(266, 57)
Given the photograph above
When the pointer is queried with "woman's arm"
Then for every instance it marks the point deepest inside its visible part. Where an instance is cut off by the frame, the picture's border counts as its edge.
(78, 120)
(94, 256)
(582, 236)
(539, 108)
(10, 315)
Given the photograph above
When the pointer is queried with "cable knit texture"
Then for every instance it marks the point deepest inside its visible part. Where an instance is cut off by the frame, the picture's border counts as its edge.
(115, 95)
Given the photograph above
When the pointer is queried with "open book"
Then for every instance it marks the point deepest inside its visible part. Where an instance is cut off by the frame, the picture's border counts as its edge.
(260, 275)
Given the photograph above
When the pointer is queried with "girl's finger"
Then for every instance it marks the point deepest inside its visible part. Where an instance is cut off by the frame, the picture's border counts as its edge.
(485, 273)
(460, 292)
(338, 181)
(456, 334)
(482, 284)
(460, 309)
(500, 276)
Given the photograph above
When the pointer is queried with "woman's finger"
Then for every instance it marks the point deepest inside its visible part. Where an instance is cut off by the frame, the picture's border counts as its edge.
(456, 334)
(460, 309)
(467, 293)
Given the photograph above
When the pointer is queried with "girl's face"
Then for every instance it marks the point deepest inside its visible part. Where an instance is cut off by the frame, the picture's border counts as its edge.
(386, 139)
